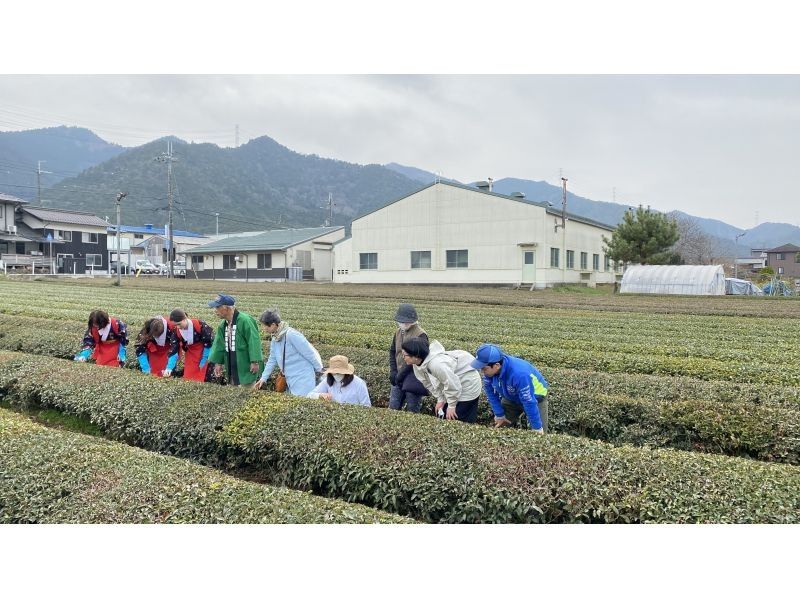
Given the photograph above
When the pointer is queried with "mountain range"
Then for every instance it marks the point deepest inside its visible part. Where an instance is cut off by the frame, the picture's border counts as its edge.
(262, 184)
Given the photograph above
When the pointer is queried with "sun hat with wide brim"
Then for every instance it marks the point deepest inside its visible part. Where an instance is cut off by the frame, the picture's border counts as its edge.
(339, 364)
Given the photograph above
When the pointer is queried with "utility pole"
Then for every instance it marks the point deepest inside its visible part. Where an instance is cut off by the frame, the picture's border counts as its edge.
(39, 173)
(564, 225)
(120, 197)
(736, 257)
(217, 215)
(169, 159)
(330, 206)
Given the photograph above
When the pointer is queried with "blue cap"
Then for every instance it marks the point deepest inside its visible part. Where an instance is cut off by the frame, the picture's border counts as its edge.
(485, 355)
(222, 300)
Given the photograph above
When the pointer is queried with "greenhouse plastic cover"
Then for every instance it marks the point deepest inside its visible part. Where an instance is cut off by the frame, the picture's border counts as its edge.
(737, 286)
(674, 280)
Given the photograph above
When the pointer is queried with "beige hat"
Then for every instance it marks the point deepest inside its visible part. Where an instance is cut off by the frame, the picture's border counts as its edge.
(339, 364)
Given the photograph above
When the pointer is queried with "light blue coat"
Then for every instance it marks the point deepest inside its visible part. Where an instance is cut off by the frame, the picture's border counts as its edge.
(302, 362)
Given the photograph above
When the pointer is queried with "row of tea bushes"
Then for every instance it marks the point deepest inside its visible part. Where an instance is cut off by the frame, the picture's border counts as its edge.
(713, 348)
(431, 470)
(54, 476)
(740, 306)
(755, 421)
(62, 339)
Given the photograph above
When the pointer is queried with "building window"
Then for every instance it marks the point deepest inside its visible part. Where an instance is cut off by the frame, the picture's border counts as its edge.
(138, 236)
(584, 260)
(596, 262)
(554, 257)
(607, 265)
(779, 256)
(94, 259)
(303, 259)
(89, 237)
(780, 270)
(570, 258)
(264, 261)
(198, 263)
(420, 259)
(64, 235)
(457, 258)
(229, 261)
(368, 261)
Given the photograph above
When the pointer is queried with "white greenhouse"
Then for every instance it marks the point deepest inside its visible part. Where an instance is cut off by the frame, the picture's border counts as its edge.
(674, 280)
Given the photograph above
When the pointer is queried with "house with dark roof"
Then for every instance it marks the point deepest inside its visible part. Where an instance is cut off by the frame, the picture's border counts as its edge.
(273, 255)
(448, 233)
(784, 260)
(74, 242)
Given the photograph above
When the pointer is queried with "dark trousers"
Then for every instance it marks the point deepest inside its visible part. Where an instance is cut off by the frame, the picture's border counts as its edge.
(467, 411)
(398, 397)
(514, 410)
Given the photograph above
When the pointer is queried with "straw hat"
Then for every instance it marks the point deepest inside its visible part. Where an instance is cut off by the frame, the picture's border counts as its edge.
(339, 364)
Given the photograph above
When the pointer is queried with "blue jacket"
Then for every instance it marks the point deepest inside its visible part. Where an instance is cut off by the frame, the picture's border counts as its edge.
(519, 382)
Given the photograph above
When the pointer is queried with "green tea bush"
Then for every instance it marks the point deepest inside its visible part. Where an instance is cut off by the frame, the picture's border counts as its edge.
(431, 470)
(53, 476)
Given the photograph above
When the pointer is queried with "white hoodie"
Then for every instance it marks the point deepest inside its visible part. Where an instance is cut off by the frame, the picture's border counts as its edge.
(448, 375)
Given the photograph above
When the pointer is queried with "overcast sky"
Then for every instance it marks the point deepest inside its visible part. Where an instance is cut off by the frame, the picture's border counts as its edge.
(721, 147)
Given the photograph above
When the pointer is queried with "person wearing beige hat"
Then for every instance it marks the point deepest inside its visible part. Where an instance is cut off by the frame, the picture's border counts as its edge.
(340, 384)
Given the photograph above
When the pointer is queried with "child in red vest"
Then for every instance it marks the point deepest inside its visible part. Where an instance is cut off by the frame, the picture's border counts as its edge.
(196, 338)
(105, 340)
(157, 347)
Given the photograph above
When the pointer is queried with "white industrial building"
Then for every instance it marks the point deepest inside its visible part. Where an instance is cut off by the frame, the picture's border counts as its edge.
(447, 233)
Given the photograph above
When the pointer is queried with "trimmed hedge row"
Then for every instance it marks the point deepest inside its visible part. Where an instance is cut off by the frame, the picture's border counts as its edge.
(53, 476)
(63, 339)
(757, 421)
(741, 306)
(431, 470)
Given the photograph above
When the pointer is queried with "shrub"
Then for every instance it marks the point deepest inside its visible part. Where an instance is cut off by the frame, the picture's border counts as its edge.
(53, 476)
(433, 470)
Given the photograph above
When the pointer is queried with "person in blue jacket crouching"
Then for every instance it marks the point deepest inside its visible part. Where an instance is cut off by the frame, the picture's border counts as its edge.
(512, 386)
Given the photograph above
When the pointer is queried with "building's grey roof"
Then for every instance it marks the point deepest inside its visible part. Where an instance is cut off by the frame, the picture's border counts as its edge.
(14, 238)
(550, 210)
(52, 215)
(154, 230)
(33, 235)
(342, 240)
(11, 199)
(788, 248)
(270, 240)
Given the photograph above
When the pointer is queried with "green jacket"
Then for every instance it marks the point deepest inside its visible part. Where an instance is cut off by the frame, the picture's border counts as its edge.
(247, 343)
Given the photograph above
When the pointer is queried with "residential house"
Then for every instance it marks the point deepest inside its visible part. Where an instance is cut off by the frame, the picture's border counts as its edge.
(274, 255)
(784, 260)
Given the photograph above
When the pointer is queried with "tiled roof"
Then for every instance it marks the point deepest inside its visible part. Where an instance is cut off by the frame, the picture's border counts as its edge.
(10, 198)
(155, 230)
(267, 241)
(788, 248)
(52, 215)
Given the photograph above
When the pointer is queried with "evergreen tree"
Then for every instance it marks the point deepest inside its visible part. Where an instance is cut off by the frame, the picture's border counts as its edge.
(643, 237)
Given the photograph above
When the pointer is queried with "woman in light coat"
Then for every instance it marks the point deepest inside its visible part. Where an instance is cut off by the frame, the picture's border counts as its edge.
(448, 376)
(291, 352)
(341, 384)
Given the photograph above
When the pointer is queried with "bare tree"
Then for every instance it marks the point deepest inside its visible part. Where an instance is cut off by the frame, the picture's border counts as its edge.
(695, 246)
